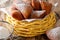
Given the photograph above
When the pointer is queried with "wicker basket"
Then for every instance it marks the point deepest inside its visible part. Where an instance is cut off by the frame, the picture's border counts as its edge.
(34, 28)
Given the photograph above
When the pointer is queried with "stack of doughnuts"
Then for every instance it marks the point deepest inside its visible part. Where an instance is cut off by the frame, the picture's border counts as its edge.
(30, 9)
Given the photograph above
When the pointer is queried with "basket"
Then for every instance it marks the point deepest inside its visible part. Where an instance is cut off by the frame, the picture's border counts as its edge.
(34, 28)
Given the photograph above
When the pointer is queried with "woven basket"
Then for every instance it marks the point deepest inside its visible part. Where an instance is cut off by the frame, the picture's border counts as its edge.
(34, 28)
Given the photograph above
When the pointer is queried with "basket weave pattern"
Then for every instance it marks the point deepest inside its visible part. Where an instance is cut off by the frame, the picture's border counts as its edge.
(30, 29)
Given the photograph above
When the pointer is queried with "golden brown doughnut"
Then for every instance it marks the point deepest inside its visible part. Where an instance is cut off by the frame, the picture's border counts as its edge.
(46, 6)
(36, 5)
(17, 15)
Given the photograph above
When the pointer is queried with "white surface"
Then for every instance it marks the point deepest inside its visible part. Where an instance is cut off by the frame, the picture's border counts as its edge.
(54, 34)
(4, 32)
(5, 3)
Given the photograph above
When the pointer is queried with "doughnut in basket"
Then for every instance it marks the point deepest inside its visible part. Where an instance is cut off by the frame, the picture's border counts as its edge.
(29, 22)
